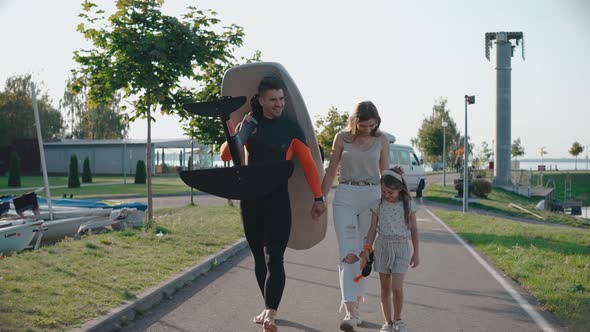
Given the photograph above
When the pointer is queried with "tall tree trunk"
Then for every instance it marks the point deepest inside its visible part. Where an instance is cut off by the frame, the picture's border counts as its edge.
(149, 162)
(190, 166)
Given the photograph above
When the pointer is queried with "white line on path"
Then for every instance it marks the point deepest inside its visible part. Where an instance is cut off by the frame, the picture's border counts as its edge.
(524, 304)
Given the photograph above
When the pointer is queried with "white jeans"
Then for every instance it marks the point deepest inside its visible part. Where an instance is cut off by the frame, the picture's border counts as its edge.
(352, 219)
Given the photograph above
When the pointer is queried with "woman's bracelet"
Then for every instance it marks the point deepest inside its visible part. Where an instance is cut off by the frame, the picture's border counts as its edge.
(368, 246)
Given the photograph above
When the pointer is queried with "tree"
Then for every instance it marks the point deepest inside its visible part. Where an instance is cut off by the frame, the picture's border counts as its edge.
(103, 121)
(140, 173)
(482, 156)
(86, 173)
(73, 177)
(88, 120)
(328, 126)
(14, 171)
(542, 152)
(16, 112)
(430, 135)
(74, 105)
(575, 150)
(516, 149)
(486, 151)
(145, 53)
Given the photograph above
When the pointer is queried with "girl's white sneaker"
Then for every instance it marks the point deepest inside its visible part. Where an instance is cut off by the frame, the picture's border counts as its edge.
(400, 326)
(387, 327)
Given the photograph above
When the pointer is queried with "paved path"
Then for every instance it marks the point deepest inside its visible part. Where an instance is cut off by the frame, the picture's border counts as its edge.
(449, 291)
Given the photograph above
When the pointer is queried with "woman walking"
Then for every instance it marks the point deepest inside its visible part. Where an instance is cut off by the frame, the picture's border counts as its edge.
(362, 152)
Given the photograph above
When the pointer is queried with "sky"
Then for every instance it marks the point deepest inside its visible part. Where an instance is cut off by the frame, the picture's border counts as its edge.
(402, 55)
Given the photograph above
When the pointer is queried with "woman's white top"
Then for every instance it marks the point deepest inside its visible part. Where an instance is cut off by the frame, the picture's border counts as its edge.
(357, 165)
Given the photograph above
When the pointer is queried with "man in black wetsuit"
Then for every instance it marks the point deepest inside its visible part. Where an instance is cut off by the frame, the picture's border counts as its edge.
(267, 220)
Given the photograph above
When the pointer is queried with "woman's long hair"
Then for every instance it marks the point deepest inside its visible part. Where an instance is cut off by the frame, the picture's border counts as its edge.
(267, 83)
(391, 182)
(365, 110)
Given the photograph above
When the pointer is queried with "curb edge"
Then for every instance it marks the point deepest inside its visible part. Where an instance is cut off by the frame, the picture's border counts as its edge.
(126, 312)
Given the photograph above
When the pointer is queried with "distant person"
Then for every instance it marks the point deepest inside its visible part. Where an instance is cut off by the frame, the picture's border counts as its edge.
(362, 152)
(393, 223)
(269, 136)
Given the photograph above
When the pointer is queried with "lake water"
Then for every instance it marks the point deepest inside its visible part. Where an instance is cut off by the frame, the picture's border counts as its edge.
(551, 165)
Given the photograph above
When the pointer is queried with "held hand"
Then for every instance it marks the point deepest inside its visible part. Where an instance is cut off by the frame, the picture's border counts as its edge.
(415, 260)
(364, 258)
(317, 210)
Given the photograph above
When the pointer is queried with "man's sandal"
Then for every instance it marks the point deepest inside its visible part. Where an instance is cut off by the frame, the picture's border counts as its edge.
(260, 318)
(269, 324)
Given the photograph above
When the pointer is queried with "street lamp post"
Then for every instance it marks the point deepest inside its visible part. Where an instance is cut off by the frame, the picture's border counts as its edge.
(444, 125)
(468, 101)
(190, 166)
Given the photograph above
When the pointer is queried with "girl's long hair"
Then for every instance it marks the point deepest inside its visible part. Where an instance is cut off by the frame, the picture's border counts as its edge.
(365, 110)
(267, 83)
(405, 196)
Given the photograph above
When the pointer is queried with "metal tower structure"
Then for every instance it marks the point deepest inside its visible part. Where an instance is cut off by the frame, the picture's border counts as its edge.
(504, 53)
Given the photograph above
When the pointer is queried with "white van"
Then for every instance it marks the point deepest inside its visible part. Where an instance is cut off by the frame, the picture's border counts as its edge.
(404, 156)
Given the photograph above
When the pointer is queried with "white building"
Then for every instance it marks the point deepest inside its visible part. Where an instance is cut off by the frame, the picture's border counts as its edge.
(115, 156)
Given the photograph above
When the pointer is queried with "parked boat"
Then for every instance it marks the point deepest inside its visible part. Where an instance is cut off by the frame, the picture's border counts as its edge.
(91, 204)
(75, 222)
(58, 229)
(16, 235)
(72, 218)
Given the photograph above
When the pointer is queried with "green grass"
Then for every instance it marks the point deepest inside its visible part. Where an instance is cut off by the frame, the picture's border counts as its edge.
(63, 286)
(498, 201)
(552, 263)
(160, 185)
(580, 184)
(37, 181)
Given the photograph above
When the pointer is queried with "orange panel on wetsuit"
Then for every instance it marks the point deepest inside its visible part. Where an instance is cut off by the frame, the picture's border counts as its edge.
(278, 139)
(304, 154)
(225, 154)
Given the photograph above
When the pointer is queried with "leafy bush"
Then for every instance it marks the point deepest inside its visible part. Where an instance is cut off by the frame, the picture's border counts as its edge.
(481, 173)
(86, 174)
(14, 171)
(140, 173)
(74, 176)
(481, 188)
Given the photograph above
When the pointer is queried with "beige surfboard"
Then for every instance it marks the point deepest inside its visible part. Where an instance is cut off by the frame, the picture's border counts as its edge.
(243, 81)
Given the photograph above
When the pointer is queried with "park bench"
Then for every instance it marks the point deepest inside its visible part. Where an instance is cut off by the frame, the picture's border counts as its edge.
(573, 207)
